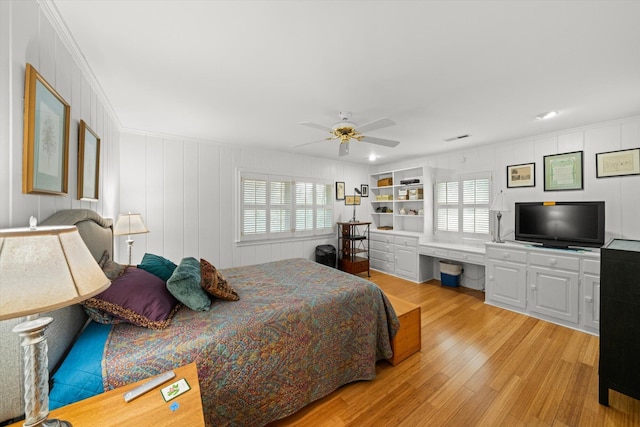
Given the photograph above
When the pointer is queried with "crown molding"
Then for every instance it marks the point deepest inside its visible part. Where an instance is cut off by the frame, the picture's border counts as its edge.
(50, 10)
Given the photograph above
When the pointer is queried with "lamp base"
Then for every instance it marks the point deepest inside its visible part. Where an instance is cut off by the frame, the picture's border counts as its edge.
(36, 372)
(498, 239)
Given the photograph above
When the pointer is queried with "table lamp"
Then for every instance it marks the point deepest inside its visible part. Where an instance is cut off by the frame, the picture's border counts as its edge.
(499, 206)
(129, 224)
(356, 202)
(43, 269)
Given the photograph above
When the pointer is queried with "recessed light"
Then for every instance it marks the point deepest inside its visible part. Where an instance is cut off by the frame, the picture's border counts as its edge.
(372, 158)
(547, 115)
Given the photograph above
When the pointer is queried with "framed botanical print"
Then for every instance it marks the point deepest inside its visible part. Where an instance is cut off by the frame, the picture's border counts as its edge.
(45, 158)
(563, 171)
(339, 190)
(88, 163)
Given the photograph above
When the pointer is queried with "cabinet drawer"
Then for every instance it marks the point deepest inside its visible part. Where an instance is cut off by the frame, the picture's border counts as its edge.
(442, 253)
(591, 266)
(380, 265)
(379, 237)
(383, 256)
(381, 246)
(507, 255)
(465, 256)
(554, 261)
(426, 250)
(406, 241)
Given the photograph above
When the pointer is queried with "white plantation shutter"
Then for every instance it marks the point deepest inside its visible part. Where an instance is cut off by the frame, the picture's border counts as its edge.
(280, 207)
(462, 204)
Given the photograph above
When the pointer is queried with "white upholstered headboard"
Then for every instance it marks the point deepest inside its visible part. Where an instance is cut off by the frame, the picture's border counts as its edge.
(97, 233)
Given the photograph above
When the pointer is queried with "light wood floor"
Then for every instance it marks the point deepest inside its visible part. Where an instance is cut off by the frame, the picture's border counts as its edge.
(479, 366)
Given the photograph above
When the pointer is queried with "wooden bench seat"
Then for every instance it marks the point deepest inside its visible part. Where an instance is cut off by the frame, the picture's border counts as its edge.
(408, 339)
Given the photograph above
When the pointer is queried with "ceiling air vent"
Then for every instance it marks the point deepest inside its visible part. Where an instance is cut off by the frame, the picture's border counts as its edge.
(455, 138)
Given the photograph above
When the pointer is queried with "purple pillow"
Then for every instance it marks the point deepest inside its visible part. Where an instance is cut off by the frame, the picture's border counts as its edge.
(137, 297)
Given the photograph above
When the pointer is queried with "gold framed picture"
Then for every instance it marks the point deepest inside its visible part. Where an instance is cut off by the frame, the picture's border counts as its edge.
(45, 154)
(352, 200)
(88, 163)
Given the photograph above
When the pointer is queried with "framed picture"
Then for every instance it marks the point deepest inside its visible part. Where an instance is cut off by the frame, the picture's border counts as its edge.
(352, 200)
(521, 175)
(563, 171)
(45, 153)
(88, 163)
(364, 189)
(618, 163)
(339, 190)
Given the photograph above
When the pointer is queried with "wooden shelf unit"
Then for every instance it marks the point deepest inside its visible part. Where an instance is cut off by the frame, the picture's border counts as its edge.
(353, 251)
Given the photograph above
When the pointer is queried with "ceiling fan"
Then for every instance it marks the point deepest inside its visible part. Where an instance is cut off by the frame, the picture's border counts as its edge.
(346, 130)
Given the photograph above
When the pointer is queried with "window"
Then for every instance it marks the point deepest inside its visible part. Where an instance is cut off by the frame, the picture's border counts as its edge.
(462, 204)
(275, 207)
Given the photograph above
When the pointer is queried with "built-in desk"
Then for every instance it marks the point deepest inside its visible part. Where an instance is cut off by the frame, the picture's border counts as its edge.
(472, 259)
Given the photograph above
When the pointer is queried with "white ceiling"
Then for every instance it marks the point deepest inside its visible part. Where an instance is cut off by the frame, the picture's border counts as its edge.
(247, 72)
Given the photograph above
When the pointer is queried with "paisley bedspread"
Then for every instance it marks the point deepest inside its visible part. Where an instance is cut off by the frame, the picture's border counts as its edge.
(299, 331)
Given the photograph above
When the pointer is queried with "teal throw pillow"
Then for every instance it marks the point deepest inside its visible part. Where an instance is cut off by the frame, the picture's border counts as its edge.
(184, 284)
(158, 266)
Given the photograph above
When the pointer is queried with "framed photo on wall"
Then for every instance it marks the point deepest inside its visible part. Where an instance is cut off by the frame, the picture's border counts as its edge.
(563, 171)
(523, 175)
(618, 163)
(352, 200)
(364, 189)
(45, 153)
(339, 190)
(88, 163)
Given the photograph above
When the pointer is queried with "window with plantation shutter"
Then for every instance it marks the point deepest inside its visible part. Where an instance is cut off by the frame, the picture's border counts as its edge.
(276, 207)
(462, 205)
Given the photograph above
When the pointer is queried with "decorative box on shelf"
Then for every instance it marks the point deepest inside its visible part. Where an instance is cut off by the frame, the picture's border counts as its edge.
(385, 182)
(415, 194)
(383, 197)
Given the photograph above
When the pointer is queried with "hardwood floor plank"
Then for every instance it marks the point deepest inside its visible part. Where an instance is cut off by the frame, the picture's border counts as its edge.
(479, 366)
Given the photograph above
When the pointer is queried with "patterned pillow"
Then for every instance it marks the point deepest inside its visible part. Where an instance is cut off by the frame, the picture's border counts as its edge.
(137, 297)
(184, 284)
(214, 283)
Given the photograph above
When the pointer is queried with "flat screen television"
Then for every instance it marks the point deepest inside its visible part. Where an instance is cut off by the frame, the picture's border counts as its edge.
(560, 224)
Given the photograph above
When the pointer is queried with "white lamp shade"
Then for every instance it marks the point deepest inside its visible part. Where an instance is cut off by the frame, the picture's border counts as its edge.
(499, 204)
(45, 269)
(129, 224)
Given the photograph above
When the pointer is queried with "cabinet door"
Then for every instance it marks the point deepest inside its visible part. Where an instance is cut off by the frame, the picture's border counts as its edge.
(507, 283)
(554, 293)
(407, 262)
(591, 301)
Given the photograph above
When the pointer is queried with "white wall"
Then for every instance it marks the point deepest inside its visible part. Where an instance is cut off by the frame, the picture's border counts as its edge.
(29, 35)
(621, 194)
(185, 191)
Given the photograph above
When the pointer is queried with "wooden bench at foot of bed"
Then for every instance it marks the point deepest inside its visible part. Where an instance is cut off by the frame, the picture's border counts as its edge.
(407, 341)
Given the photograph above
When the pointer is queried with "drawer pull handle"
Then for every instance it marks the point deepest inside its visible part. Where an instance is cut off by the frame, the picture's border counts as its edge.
(491, 278)
(553, 261)
(505, 255)
(534, 287)
(588, 299)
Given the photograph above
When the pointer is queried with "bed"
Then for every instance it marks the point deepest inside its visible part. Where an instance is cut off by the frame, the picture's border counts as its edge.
(298, 331)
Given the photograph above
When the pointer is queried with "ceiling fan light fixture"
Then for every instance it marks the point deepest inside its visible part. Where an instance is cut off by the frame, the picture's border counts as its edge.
(547, 115)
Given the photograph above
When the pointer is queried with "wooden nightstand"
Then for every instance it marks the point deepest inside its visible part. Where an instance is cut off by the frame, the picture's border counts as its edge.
(109, 408)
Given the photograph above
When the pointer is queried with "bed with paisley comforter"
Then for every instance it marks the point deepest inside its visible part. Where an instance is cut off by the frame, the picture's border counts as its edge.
(298, 331)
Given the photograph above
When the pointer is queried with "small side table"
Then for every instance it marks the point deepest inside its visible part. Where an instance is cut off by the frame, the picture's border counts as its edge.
(150, 409)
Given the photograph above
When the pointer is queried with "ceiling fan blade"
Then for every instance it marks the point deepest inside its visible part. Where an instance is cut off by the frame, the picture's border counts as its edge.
(316, 126)
(376, 124)
(310, 142)
(344, 149)
(380, 141)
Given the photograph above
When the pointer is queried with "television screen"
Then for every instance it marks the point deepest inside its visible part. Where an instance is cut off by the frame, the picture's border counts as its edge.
(560, 224)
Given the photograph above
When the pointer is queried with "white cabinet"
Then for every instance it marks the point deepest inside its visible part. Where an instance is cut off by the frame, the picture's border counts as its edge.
(558, 286)
(506, 271)
(395, 254)
(591, 284)
(406, 251)
(398, 206)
